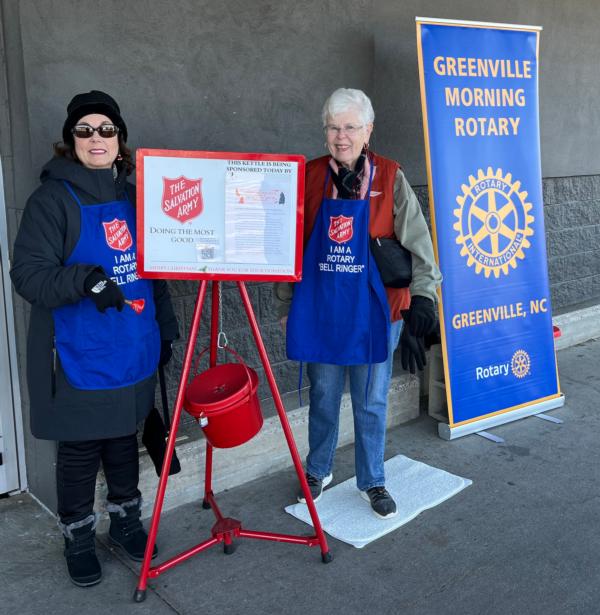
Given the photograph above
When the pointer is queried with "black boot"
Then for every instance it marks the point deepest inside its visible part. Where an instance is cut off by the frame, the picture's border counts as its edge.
(80, 551)
(126, 529)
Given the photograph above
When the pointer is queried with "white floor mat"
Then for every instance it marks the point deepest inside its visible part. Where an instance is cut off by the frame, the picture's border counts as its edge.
(414, 485)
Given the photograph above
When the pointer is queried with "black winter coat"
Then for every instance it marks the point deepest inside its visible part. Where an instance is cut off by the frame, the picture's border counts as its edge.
(47, 235)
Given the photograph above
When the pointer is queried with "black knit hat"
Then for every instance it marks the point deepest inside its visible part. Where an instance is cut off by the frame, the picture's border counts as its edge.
(92, 102)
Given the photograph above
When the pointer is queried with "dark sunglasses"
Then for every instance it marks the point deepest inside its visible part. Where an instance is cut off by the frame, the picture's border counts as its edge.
(106, 131)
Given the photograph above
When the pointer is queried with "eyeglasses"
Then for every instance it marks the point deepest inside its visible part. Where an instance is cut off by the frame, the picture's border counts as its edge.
(349, 129)
(85, 131)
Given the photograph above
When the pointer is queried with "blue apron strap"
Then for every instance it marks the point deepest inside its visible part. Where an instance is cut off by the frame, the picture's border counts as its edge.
(70, 189)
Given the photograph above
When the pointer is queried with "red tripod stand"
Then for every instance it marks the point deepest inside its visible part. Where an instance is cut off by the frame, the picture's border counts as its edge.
(226, 529)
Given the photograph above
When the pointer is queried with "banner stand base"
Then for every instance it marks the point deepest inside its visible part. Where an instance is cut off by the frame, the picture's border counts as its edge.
(550, 419)
(490, 436)
(446, 432)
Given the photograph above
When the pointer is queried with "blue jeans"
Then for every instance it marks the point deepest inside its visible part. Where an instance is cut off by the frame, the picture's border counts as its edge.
(327, 385)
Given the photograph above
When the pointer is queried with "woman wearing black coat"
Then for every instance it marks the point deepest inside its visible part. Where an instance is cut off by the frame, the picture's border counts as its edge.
(91, 359)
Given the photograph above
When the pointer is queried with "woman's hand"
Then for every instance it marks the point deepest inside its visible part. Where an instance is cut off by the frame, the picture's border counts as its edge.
(412, 350)
(103, 291)
(420, 316)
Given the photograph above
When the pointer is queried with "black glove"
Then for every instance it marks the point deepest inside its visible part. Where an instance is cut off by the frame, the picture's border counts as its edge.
(412, 350)
(103, 291)
(166, 352)
(421, 316)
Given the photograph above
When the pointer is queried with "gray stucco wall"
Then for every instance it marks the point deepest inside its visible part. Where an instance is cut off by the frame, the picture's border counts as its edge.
(238, 75)
(253, 75)
(569, 77)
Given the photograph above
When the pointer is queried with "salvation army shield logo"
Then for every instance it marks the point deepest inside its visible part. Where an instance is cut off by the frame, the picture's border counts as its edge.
(340, 228)
(182, 198)
(117, 235)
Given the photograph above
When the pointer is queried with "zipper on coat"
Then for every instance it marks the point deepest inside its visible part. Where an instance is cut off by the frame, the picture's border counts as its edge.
(53, 366)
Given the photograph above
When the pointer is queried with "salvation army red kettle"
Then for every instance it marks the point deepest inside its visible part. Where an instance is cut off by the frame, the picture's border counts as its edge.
(224, 399)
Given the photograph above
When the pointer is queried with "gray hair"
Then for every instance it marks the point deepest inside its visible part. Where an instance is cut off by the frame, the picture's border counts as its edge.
(344, 99)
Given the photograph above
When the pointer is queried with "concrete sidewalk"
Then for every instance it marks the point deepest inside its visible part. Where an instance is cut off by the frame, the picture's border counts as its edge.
(523, 539)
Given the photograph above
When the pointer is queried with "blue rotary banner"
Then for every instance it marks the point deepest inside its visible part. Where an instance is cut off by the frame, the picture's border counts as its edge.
(479, 91)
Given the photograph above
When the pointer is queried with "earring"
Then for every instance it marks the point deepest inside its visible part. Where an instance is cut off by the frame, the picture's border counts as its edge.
(119, 157)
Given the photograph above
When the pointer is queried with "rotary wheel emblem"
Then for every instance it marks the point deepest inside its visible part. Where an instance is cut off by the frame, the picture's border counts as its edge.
(493, 222)
(520, 364)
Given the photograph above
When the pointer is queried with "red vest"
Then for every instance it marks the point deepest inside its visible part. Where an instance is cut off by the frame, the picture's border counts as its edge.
(381, 211)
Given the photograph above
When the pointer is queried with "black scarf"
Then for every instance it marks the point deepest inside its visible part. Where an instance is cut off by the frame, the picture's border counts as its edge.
(348, 182)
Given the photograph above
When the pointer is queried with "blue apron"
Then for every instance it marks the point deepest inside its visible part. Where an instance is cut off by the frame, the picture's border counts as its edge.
(114, 349)
(339, 312)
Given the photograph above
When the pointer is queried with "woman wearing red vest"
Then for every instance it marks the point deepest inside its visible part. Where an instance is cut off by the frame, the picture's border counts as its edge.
(342, 320)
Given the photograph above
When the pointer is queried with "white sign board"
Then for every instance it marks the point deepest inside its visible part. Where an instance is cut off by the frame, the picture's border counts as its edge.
(219, 215)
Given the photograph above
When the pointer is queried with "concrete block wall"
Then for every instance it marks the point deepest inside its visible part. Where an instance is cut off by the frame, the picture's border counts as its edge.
(239, 337)
(572, 213)
(572, 224)
(572, 227)
(264, 454)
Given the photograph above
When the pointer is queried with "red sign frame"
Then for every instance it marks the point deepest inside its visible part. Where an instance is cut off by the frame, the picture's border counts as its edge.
(140, 218)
